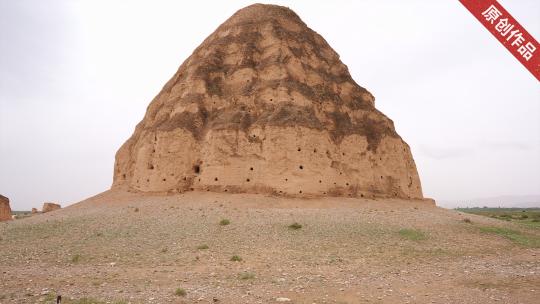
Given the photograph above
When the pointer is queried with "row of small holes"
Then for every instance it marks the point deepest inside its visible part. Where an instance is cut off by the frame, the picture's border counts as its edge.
(315, 151)
(280, 191)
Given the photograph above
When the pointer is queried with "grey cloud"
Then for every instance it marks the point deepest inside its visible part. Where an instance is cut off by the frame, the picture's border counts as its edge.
(506, 145)
(445, 152)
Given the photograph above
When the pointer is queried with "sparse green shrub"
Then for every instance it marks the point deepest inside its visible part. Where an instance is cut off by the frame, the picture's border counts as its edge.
(524, 216)
(467, 220)
(412, 234)
(76, 258)
(295, 226)
(513, 235)
(236, 258)
(50, 297)
(224, 222)
(164, 250)
(202, 247)
(181, 292)
(246, 276)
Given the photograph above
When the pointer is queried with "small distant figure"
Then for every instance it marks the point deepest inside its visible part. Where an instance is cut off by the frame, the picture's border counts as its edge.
(58, 299)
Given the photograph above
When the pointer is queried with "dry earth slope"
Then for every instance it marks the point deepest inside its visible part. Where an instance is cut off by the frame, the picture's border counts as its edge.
(120, 246)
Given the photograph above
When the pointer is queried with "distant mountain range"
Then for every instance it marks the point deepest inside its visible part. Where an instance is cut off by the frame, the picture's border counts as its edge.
(507, 201)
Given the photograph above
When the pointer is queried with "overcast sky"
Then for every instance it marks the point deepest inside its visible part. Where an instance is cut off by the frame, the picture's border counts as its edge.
(77, 76)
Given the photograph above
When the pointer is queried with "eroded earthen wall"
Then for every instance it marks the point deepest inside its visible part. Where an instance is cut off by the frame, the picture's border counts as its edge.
(264, 105)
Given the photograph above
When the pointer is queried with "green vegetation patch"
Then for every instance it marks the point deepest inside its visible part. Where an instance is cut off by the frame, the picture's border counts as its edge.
(295, 226)
(514, 235)
(412, 234)
(181, 292)
(50, 297)
(224, 222)
(246, 276)
(75, 258)
(21, 214)
(529, 217)
(236, 258)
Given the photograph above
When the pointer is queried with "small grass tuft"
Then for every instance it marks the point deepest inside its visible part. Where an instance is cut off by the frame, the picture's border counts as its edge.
(224, 222)
(246, 276)
(295, 226)
(181, 292)
(412, 234)
(76, 258)
(236, 258)
(467, 220)
(136, 210)
(50, 297)
(202, 247)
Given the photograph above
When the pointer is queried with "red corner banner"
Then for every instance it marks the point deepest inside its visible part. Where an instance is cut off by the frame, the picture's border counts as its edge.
(508, 31)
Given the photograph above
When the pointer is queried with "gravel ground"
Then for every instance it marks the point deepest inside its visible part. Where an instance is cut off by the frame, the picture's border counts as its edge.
(121, 247)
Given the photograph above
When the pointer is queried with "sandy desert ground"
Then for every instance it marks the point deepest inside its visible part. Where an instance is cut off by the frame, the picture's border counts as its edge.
(121, 247)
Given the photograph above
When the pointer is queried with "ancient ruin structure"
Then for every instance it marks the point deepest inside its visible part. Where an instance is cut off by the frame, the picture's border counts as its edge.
(5, 209)
(264, 105)
(48, 207)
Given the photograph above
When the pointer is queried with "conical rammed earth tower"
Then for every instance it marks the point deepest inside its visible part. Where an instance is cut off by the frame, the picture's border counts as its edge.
(264, 105)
